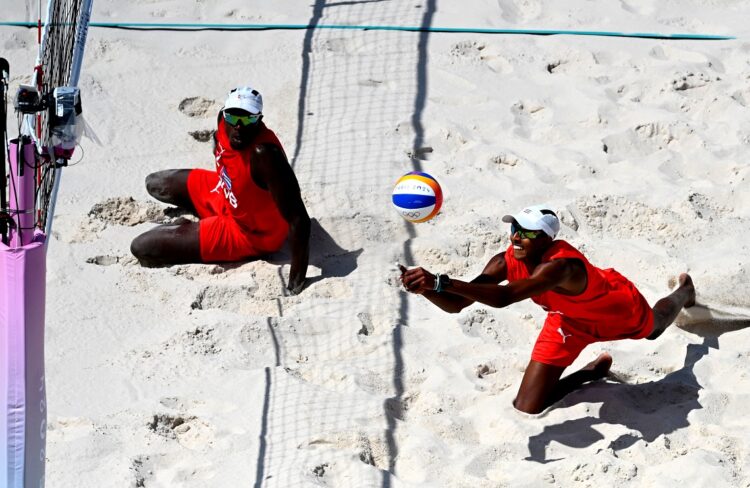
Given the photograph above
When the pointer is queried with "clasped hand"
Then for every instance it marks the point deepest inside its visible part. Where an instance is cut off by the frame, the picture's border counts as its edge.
(417, 280)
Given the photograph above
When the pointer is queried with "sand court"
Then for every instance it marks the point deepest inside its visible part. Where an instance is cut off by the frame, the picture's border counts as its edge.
(212, 375)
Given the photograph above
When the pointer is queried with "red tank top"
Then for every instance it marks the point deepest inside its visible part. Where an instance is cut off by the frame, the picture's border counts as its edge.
(251, 206)
(609, 297)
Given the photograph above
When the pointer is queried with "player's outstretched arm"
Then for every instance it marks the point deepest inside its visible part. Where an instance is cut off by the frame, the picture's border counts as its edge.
(557, 274)
(284, 188)
(422, 282)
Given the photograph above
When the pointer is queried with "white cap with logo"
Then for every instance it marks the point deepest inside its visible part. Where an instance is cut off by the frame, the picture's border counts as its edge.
(533, 218)
(245, 98)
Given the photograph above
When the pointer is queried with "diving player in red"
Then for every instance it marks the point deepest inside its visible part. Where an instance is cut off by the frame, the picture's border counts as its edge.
(247, 207)
(584, 304)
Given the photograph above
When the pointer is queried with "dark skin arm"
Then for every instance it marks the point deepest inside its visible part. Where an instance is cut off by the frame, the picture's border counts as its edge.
(566, 276)
(422, 282)
(272, 171)
(541, 385)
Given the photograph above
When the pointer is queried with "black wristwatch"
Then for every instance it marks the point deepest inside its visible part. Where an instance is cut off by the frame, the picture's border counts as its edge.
(442, 282)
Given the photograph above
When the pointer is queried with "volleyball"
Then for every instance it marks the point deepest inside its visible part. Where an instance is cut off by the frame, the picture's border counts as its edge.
(417, 197)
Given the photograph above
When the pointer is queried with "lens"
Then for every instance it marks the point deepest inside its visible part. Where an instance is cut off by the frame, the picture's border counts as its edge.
(243, 120)
(231, 119)
(523, 233)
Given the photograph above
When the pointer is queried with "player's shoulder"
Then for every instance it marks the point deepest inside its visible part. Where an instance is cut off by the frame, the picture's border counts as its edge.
(560, 270)
(269, 156)
(270, 151)
(496, 262)
(265, 148)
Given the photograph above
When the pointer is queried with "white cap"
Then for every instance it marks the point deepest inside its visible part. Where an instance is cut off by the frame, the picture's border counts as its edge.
(245, 98)
(532, 218)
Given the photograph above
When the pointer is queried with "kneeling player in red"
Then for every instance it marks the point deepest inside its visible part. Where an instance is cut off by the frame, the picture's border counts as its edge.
(584, 304)
(247, 207)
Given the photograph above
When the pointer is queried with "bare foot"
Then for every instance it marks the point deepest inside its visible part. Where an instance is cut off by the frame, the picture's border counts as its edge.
(600, 366)
(686, 283)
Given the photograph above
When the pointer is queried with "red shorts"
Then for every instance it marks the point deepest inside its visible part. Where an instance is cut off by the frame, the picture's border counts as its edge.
(221, 237)
(562, 339)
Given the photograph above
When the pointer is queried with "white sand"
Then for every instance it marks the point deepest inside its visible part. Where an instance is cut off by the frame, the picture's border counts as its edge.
(209, 376)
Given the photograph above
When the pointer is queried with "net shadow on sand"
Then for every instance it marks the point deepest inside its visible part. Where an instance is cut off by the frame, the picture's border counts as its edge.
(353, 85)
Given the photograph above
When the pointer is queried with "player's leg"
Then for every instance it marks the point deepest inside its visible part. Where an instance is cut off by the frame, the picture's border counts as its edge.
(168, 244)
(539, 382)
(666, 309)
(171, 186)
(541, 385)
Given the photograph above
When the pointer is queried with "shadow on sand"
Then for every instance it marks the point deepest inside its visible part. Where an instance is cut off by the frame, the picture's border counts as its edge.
(333, 260)
(648, 410)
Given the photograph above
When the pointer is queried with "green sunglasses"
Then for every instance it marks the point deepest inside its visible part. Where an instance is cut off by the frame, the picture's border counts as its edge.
(524, 233)
(243, 120)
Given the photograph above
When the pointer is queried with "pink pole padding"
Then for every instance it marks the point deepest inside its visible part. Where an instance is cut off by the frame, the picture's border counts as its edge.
(21, 194)
(23, 407)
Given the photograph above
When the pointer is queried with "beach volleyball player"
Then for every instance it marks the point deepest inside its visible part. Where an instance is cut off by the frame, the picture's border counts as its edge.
(247, 207)
(584, 304)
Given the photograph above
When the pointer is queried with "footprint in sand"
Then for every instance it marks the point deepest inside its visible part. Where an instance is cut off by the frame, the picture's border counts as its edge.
(706, 208)
(529, 113)
(15, 41)
(488, 381)
(142, 469)
(469, 50)
(202, 135)
(639, 7)
(227, 298)
(646, 139)
(576, 62)
(200, 341)
(340, 45)
(614, 215)
(506, 160)
(480, 53)
(189, 431)
(249, 299)
(370, 449)
(691, 81)
(124, 211)
(104, 260)
(259, 342)
(196, 106)
(177, 403)
(367, 325)
(482, 323)
(493, 57)
(399, 407)
(111, 50)
(71, 428)
(109, 260)
(517, 11)
(485, 369)
(742, 96)
(127, 211)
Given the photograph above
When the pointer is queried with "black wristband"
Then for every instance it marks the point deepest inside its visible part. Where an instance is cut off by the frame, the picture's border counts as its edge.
(443, 282)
